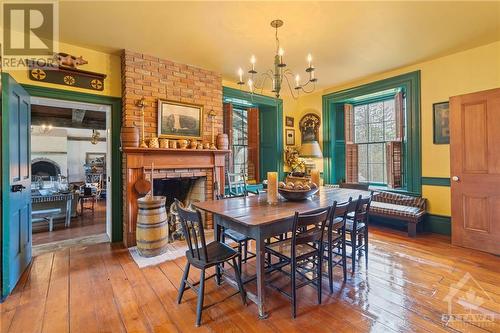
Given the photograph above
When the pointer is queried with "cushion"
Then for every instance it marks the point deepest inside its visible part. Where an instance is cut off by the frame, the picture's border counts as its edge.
(400, 199)
(382, 208)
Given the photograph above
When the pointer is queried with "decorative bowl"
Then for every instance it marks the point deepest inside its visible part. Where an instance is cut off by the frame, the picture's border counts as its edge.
(294, 195)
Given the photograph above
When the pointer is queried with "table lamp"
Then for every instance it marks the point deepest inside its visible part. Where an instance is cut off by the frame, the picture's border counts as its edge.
(308, 151)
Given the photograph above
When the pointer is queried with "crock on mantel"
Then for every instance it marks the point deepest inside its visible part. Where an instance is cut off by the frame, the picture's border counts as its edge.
(138, 159)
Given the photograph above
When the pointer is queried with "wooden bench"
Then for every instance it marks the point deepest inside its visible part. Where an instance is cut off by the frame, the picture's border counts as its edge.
(44, 215)
(400, 207)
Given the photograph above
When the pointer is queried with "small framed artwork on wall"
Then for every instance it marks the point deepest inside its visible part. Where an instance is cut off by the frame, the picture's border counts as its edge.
(290, 137)
(289, 121)
(441, 116)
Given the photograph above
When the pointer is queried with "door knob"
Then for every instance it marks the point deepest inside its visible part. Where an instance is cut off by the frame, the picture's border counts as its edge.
(455, 178)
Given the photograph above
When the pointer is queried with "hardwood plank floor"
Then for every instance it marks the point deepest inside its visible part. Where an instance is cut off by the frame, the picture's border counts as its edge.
(99, 288)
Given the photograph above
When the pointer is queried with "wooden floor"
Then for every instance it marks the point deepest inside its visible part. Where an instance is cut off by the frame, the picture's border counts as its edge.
(86, 224)
(100, 289)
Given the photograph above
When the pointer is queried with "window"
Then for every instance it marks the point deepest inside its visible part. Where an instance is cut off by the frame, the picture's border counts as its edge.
(374, 126)
(240, 141)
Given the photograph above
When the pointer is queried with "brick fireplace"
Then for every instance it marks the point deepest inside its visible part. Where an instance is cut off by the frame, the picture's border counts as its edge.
(151, 78)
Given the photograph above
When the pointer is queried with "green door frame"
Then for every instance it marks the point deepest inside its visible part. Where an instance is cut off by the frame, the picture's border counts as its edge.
(410, 83)
(116, 165)
(267, 101)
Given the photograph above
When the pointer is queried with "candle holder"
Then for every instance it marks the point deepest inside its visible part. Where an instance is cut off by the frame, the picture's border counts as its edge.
(142, 103)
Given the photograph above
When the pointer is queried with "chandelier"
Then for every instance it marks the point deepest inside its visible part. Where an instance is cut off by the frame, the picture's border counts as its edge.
(280, 75)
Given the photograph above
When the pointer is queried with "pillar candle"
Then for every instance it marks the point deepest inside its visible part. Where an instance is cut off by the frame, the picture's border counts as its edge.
(272, 187)
(315, 176)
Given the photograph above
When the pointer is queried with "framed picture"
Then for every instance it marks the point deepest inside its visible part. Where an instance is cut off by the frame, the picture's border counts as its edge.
(309, 127)
(289, 121)
(290, 137)
(179, 120)
(441, 116)
(95, 158)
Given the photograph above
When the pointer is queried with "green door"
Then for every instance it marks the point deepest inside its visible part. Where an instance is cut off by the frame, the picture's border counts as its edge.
(16, 183)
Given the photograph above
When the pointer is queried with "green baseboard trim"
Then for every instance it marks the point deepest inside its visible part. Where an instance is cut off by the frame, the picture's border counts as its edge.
(436, 181)
(438, 224)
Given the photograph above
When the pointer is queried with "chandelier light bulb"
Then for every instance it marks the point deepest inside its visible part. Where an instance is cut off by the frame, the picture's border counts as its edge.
(240, 74)
(281, 52)
(309, 60)
(253, 60)
(297, 81)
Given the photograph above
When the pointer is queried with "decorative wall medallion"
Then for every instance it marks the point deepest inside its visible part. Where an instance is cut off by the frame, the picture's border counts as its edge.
(67, 76)
(309, 127)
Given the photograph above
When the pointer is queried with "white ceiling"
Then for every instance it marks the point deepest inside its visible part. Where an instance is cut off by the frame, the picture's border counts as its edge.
(348, 40)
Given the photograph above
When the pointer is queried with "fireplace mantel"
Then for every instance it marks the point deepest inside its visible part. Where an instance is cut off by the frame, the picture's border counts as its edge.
(138, 160)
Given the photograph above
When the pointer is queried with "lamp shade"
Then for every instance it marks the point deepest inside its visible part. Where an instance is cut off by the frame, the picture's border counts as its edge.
(310, 149)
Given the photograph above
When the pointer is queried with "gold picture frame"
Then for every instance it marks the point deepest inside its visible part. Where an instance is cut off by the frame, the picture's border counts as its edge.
(178, 120)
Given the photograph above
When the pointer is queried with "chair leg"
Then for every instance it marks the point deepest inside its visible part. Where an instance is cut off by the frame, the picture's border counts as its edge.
(240, 250)
(330, 266)
(344, 257)
(237, 274)
(294, 291)
(201, 294)
(245, 258)
(183, 283)
(366, 247)
(320, 273)
(353, 251)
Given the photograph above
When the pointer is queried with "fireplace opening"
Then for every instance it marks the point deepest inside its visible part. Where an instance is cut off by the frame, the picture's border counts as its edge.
(187, 190)
(45, 169)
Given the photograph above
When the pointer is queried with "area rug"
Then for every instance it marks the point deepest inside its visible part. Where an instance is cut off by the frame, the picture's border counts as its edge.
(172, 253)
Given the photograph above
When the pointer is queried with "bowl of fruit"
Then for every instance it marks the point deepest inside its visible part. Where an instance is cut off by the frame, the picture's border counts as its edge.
(297, 191)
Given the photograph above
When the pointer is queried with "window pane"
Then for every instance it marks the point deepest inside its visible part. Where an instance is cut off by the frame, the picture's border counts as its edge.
(376, 132)
(376, 153)
(360, 133)
(389, 112)
(362, 154)
(363, 173)
(376, 112)
(390, 130)
(377, 173)
(360, 114)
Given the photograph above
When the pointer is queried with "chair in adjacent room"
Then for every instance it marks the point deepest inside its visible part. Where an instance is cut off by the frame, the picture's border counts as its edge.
(203, 256)
(303, 252)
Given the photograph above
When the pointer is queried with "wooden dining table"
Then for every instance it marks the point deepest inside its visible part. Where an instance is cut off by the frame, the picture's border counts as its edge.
(255, 218)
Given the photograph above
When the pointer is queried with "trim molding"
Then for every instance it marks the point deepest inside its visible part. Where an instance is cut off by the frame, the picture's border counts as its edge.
(410, 83)
(436, 181)
(116, 166)
(438, 224)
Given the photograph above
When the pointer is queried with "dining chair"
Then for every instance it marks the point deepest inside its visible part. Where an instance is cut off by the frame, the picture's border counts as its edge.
(334, 240)
(303, 252)
(203, 256)
(357, 228)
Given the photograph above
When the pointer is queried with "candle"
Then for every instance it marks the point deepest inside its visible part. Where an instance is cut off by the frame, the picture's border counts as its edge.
(315, 177)
(297, 81)
(309, 60)
(252, 61)
(240, 73)
(280, 53)
(272, 187)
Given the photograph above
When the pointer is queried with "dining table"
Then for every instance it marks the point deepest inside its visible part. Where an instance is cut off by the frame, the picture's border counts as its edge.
(255, 218)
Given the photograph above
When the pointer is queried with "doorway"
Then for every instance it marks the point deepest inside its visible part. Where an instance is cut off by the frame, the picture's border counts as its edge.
(70, 165)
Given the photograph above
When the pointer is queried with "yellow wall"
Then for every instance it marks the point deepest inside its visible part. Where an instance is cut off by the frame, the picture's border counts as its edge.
(464, 72)
(99, 62)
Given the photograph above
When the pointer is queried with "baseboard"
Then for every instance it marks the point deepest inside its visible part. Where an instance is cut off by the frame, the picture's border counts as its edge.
(438, 224)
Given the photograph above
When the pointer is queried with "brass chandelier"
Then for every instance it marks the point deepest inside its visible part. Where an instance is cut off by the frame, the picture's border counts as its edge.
(280, 75)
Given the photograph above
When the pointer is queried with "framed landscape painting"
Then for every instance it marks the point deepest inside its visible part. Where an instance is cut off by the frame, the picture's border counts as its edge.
(179, 120)
(441, 114)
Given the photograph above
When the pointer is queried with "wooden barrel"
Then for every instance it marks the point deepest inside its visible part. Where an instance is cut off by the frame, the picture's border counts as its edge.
(130, 136)
(152, 226)
(222, 142)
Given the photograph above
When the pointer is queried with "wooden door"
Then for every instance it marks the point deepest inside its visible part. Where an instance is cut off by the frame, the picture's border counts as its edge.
(16, 183)
(475, 170)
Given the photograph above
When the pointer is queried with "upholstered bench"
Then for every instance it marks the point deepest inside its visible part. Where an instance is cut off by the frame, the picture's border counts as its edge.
(400, 207)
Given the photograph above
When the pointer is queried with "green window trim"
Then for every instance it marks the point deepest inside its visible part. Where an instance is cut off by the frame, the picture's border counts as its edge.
(258, 99)
(410, 83)
(116, 167)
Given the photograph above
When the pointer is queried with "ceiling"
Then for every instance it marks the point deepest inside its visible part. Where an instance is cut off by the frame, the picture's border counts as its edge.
(69, 118)
(348, 40)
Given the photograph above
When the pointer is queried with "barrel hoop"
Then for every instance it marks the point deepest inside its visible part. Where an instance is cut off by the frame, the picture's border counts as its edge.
(151, 242)
(153, 225)
(151, 208)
